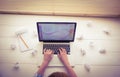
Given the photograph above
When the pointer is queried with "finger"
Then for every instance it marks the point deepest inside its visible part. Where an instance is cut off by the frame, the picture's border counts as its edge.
(60, 50)
(48, 50)
(51, 51)
(44, 50)
(63, 50)
(58, 55)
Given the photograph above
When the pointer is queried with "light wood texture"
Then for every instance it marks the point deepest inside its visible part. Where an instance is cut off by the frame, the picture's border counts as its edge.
(101, 64)
(102, 8)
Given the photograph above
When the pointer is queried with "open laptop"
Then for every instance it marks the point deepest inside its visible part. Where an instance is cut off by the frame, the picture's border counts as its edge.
(55, 35)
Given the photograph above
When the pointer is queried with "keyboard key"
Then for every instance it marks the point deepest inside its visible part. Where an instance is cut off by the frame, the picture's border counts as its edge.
(55, 47)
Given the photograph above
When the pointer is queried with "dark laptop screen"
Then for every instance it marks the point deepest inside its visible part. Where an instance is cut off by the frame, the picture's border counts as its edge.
(56, 31)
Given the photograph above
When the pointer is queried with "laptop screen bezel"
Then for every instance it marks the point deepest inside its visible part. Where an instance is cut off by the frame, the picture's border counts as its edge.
(56, 23)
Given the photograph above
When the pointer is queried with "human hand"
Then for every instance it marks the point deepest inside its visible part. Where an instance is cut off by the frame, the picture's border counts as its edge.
(48, 54)
(64, 59)
(63, 56)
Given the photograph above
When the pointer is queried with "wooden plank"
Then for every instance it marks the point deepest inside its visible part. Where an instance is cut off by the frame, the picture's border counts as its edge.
(94, 28)
(12, 23)
(7, 55)
(5, 43)
(17, 20)
(98, 71)
(67, 6)
(92, 56)
(86, 7)
(110, 46)
(98, 59)
(20, 57)
(25, 70)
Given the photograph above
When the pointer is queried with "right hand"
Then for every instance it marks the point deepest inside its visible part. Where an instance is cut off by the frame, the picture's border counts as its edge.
(63, 56)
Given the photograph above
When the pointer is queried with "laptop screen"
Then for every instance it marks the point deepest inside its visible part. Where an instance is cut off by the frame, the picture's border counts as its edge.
(56, 31)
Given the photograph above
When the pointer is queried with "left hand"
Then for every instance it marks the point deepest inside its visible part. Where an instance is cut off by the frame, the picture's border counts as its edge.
(48, 54)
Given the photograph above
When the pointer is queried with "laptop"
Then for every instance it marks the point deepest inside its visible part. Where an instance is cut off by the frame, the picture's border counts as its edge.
(55, 35)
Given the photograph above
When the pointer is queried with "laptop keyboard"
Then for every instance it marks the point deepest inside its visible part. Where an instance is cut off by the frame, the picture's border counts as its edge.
(55, 47)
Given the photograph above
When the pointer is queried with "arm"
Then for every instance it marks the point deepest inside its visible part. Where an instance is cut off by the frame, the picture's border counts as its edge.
(47, 58)
(63, 57)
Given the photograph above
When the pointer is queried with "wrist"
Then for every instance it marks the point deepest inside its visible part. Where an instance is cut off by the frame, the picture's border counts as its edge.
(45, 63)
(66, 63)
